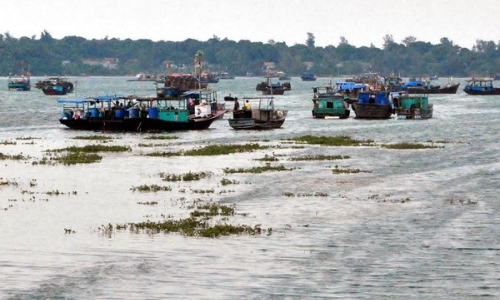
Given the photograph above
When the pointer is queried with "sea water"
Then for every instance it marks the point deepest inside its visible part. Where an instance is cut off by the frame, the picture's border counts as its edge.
(419, 224)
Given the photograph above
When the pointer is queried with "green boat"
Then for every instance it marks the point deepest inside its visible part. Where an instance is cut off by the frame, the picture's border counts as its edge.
(141, 114)
(413, 106)
(329, 102)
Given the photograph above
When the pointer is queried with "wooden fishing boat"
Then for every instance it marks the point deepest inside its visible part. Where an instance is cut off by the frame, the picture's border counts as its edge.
(264, 116)
(413, 105)
(414, 86)
(55, 86)
(333, 100)
(450, 88)
(333, 106)
(481, 86)
(137, 114)
(225, 75)
(21, 83)
(176, 84)
(269, 88)
(373, 105)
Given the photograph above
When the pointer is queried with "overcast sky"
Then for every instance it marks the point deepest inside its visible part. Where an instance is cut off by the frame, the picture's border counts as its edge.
(361, 22)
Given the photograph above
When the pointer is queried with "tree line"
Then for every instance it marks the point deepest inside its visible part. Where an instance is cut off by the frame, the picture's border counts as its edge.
(70, 56)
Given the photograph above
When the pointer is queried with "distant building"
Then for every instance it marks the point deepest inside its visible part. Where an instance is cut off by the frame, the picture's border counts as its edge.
(109, 62)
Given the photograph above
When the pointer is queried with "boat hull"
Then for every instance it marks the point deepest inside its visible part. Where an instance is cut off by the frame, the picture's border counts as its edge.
(138, 124)
(414, 114)
(372, 110)
(258, 119)
(274, 91)
(451, 89)
(53, 92)
(19, 87)
(446, 89)
(333, 106)
(135, 125)
(319, 114)
(495, 91)
(254, 124)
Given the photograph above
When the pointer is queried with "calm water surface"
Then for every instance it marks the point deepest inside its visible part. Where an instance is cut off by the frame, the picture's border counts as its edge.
(421, 224)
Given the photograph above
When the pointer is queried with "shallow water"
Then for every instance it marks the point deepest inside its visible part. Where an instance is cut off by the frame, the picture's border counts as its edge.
(419, 223)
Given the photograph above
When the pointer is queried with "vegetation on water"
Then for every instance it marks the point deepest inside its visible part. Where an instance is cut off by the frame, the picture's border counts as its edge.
(206, 220)
(144, 188)
(407, 146)
(74, 55)
(225, 181)
(161, 137)
(93, 137)
(213, 150)
(224, 149)
(78, 155)
(8, 143)
(338, 170)
(255, 170)
(461, 201)
(189, 176)
(315, 194)
(269, 158)
(74, 158)
(341, 140)
(319, 157)
(12, 157)
(93, 149)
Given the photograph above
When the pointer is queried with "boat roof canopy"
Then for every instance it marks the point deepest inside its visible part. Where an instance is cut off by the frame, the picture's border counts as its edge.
(74, 101)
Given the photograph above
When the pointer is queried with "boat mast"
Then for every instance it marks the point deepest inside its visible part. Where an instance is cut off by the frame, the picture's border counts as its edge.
(198, 65)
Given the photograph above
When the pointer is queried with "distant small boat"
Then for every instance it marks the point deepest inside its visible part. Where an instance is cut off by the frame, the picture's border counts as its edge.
(264, 116)
(225, 75)
(55, 86)
(481, 86)
(450, 88)
(174, 85)
(283, 76)
(269, 88)
(21, 83)
(308, 76)
(144, 77)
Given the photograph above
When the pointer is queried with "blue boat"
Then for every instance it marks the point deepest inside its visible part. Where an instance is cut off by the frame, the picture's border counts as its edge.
(481, 86)
(373, 105)
(308, 76)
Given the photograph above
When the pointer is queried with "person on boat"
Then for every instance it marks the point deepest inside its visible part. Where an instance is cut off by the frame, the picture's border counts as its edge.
(236, 104)
(129, 104)
(316, 104)
(372, 98)
(248, 106)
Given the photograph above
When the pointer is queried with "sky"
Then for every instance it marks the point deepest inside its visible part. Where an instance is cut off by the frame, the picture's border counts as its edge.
(360, 22)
